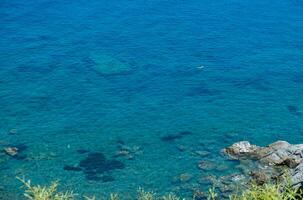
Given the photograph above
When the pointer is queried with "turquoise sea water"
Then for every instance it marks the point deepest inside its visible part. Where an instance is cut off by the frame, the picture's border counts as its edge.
(158, 80)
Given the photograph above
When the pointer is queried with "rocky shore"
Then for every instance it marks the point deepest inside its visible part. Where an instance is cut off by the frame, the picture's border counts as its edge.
(271, 159)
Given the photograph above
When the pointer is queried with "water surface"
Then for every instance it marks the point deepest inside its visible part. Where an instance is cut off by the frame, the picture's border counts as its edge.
(81, 81)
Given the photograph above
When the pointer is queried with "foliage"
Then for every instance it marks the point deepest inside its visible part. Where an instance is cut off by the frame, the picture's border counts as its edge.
(212, 195)
(144, 195)
(269, 191)
(45, 192)
(171, 196)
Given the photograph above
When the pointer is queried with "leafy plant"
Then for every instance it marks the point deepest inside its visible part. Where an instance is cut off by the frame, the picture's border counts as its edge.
(269, 192)
(143, 195)
(45, 192)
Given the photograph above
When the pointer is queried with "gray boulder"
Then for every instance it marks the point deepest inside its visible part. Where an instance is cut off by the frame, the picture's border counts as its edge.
(275, 154)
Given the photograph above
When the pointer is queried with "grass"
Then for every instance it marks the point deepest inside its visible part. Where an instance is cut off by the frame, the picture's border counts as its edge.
(269, 191)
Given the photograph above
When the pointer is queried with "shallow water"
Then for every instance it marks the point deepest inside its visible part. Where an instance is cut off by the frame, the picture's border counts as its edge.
(81, 80)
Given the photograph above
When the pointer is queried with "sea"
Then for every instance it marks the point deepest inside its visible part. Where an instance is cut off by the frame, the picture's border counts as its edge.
(112, 96)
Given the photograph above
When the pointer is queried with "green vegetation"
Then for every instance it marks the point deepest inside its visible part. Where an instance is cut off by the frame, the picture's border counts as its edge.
(267, 191)
(45, 192)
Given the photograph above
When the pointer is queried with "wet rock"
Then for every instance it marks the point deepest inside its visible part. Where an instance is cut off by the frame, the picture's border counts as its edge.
(13, 132)
(241, 149)
(123, 153)
(11, 151)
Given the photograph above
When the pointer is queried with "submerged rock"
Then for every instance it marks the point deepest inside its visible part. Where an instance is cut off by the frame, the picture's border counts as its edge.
(82, 151)
(95, 165)
(183, 178)
(13, 132)
(107, 65)
(128, 152)
(173, 137)
(294, 110)
(72, 168)
(206, 165)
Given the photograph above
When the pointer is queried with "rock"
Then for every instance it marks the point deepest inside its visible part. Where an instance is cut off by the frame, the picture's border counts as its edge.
(208, 179)
(128, 152)
(297, 175)
(201, 153)
(182, 148)
(259, 177)
(221, 167)
(279, 153)
(185, 177)
(290, 162)
(206, 165)
(199, 195)
(13, 132)
(11, 151)
(241, 149)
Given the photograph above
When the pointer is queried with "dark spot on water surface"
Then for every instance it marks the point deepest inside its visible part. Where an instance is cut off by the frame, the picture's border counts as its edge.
(107, 178)
(202, 90)
(185, 133)
(294, 110)
(96, 164)
(72, 168)
(298, 78)
(120, 141)
(254, 82)
(172, 137)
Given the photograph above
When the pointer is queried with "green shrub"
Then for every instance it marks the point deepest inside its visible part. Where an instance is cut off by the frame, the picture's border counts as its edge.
(269, 191)
(45, 192)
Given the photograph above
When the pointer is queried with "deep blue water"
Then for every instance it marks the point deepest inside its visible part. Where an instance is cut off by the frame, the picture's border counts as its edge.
(193, 75)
